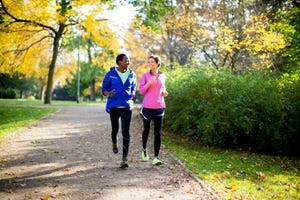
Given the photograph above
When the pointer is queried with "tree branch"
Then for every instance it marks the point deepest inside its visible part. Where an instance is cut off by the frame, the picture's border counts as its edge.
(3, 7)
(28, 47)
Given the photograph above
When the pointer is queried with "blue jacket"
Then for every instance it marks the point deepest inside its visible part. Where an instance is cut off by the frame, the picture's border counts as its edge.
(123, 92)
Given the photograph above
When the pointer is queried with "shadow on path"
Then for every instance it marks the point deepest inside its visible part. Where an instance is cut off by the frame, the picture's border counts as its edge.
(68, 155)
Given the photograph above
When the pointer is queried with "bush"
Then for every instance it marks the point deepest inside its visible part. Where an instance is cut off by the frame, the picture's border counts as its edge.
(232, 110)
(31, 98)
(8, 94)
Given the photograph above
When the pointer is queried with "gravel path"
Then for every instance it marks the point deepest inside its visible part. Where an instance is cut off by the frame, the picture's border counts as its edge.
(68, 155)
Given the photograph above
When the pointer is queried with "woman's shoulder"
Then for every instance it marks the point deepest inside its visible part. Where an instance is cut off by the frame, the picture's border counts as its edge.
(147, 74)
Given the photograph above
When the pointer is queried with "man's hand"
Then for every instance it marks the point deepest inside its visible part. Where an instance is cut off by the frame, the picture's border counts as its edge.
(133, 98)
(109, 94)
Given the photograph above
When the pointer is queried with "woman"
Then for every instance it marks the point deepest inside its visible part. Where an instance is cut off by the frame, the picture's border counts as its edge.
(119, 85)
(152, 86)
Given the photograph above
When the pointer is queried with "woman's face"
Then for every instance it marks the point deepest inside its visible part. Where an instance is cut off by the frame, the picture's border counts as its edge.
(152, 64)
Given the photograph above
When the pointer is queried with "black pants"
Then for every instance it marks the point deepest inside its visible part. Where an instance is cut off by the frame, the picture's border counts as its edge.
(125, 114)
(157, 116)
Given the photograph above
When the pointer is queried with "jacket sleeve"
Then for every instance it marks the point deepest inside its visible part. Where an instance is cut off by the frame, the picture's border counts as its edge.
(133, 90)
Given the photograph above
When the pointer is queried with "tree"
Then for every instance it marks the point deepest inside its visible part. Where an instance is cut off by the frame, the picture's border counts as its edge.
(99, 45)
(26, 85)
(47, 18)
(233, 33)
(289, 26)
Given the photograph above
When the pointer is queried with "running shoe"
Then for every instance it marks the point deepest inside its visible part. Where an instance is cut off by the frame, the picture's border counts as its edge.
(156, 161)
(145, 156)
(124, 163)
(115, 148)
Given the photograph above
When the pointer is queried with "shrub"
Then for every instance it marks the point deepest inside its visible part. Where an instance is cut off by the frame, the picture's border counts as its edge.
(8, 94)
(31, 98)
(216, 107)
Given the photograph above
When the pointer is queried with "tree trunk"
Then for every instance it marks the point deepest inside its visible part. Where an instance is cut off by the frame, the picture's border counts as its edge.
(42, 92)
(93, 96)
(56, 43)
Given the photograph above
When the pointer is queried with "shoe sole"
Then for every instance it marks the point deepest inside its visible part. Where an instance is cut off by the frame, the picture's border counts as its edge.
(158, 163)
(115, 151)
(124, 166)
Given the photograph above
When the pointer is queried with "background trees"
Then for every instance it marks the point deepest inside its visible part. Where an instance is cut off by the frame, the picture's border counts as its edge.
(233, 91)
(226, 33)
(35, 22)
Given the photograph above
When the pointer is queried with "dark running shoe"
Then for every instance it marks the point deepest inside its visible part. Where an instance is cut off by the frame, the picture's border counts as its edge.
(124, 163)
(115, 148)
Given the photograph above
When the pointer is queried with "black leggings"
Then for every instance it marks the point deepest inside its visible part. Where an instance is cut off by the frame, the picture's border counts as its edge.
(157, 116)
(125, 114)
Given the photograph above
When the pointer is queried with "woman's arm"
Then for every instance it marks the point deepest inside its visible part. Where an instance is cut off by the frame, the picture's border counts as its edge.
(144, 85)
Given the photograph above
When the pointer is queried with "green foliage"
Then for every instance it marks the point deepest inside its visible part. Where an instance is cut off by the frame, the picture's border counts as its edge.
(88, 73)
(153, 12)
(64, 6)
(61, 93)
(8, 94)
(289, 26)
(232, 110)
(17, 81)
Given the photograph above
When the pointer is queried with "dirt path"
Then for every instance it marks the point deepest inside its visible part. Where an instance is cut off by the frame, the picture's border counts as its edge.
(68, 156)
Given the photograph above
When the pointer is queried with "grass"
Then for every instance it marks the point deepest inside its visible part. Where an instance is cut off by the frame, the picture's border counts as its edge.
(53, 103)
(16, 113)
(240, 175)
(13, 117)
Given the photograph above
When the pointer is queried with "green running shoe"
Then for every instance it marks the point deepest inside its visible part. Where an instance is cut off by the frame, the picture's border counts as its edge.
(145, 156)
(124, 163)
(156, 161)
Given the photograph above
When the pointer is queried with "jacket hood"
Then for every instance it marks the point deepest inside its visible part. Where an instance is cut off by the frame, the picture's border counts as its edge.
(113, 69)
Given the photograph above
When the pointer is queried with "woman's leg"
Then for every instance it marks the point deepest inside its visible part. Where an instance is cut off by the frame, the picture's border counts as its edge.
(146, 131)
(158, 120)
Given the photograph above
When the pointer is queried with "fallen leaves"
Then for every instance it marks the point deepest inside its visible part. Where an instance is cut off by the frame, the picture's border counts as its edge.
(67, 169)
(261, 175)
(46, 198)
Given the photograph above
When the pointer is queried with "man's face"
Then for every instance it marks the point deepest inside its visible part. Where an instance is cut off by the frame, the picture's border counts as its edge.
(125, 62)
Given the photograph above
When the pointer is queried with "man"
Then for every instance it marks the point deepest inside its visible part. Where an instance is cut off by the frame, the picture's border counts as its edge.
(119, 85)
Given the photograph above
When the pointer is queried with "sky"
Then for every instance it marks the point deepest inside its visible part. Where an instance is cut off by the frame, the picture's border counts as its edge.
(120, 18)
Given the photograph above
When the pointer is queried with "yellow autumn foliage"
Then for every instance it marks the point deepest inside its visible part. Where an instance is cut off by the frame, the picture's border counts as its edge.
(27, 47)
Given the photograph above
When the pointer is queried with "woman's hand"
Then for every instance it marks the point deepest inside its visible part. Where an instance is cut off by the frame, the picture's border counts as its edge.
(164, 93)
(153, 78)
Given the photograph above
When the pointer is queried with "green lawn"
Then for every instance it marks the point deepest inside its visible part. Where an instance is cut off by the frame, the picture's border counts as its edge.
(240, 175)
(15, 113)
(53, 103)
(14, 117)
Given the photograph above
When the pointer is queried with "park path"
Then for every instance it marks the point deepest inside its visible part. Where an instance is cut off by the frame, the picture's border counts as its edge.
(68, 155)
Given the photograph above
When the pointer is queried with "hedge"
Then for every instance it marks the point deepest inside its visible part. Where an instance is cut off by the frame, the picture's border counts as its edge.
(254, 111)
